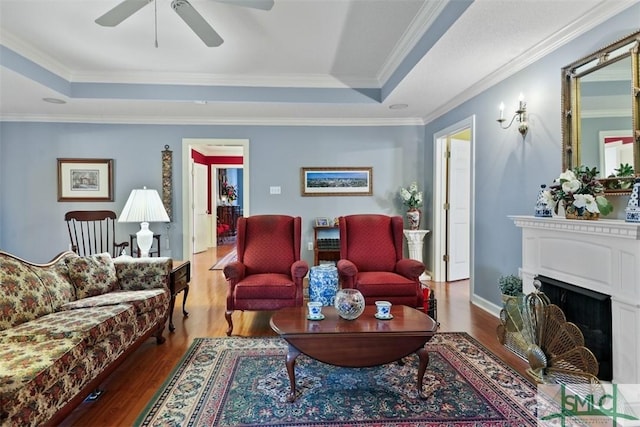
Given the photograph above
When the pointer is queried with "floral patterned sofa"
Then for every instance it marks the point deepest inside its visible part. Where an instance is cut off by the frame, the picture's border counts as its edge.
(66, 325)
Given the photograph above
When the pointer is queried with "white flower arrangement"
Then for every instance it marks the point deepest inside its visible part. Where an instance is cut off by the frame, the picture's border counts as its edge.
(579, 189)
(411, 197)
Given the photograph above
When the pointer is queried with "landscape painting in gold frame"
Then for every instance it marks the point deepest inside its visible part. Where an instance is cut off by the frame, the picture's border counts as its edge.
(336, 181)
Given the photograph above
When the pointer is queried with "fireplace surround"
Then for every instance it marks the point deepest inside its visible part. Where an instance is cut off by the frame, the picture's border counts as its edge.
(602, 256)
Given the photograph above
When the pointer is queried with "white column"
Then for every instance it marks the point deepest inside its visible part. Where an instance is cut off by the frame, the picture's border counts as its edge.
(415, 242)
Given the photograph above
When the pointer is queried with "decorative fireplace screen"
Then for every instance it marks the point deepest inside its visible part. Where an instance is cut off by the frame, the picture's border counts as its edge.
(554, 348)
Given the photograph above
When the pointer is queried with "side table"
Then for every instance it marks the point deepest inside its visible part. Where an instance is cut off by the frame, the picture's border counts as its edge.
(178, 281)
(415, 242)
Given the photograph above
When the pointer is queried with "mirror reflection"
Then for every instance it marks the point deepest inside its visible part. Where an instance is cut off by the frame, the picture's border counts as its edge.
(601, 122)
(605, 117)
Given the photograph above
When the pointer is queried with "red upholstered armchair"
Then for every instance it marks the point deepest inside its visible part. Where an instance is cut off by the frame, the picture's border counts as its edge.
(269, 272)
(371, 260)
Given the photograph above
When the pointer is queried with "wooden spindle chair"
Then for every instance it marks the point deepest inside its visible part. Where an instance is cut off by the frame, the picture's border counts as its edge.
(93, 232)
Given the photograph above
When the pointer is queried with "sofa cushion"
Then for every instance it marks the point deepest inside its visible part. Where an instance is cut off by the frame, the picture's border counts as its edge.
(142, 273)
(28, 368)
(56, 280)
(266, 286)
(92, 275)
(142, 301)
(384, 283)
(89, 324)
(22, 295)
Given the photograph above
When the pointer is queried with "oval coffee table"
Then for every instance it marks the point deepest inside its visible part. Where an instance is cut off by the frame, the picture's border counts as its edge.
(365, 341)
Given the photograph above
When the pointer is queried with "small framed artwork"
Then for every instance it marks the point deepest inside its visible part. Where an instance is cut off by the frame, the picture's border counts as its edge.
(342, 181)
(85, 180)
(322, 222)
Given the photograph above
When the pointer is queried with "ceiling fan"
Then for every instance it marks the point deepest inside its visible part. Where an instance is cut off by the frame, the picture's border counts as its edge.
(185, 10)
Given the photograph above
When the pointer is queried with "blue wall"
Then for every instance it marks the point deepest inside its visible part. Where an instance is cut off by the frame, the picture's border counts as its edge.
(31, 218)
(508, 171)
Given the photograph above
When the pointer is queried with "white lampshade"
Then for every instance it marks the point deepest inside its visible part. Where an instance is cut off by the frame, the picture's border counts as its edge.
(144, 206)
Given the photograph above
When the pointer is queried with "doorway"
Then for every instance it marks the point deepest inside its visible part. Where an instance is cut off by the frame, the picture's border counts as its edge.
(227, 207)
(453, 201)
(188, 197)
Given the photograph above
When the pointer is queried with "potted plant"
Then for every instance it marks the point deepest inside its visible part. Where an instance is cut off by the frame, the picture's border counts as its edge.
(622, 179)
(510, 286)
(512, 298)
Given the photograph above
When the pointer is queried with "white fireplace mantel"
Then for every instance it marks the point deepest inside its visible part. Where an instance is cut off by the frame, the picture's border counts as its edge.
(602, 256)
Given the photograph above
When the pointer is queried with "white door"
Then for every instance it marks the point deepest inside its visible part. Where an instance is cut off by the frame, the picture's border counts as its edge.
(200, 214)
(459, 196)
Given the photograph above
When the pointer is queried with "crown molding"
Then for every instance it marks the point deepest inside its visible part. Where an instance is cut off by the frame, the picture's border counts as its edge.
(421, 23)
(35, 55)
(187, 79)
(195, 79)
(215, 121)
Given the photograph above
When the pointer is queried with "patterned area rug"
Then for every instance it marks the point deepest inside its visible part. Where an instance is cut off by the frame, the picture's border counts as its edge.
(230, 257)
(243, 381)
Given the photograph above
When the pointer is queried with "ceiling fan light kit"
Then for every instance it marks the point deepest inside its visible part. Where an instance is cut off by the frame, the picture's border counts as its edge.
(185, 10)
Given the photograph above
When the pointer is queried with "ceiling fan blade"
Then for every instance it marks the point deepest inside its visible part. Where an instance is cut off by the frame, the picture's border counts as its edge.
(254, 4)
(197, 23)
(121, 12)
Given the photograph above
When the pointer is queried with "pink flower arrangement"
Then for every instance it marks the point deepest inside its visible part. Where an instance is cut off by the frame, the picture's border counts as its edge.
(229, 191)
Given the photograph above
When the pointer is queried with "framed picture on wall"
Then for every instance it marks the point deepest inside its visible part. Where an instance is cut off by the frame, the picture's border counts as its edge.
(85, 180)
(322, 222)
(341, 181)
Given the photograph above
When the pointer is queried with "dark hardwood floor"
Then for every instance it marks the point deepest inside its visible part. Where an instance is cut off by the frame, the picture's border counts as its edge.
(129, 389)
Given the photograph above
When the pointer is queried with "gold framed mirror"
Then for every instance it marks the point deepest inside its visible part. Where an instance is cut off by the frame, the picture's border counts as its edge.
(600, 113)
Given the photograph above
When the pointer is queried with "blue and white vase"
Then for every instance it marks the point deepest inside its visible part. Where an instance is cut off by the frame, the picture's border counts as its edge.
(323, 284)
(633, 206)
(542, 208)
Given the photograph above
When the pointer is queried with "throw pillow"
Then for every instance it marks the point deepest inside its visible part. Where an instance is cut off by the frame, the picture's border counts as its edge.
(92, 275)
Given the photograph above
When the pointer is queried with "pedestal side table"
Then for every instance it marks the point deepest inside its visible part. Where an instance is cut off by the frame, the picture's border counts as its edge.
(415, 242)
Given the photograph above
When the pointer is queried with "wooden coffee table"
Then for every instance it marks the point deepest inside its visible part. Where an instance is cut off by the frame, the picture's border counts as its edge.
(365, 341)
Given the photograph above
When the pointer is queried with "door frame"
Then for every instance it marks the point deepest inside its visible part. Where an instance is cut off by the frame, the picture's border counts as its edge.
(187, 183)
(440, 193)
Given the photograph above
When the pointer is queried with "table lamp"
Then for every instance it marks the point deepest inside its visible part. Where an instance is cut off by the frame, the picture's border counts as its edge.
(144, 206)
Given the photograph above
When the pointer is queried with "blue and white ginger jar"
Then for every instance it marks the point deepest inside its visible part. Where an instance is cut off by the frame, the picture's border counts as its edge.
(323, 284)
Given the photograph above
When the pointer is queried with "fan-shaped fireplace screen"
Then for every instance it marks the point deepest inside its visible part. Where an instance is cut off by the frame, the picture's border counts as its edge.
(539, 332)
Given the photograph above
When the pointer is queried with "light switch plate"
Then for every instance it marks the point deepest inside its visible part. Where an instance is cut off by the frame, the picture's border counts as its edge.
(274, 190)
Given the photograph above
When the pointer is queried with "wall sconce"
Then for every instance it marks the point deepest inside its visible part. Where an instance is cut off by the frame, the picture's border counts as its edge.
(520, 115)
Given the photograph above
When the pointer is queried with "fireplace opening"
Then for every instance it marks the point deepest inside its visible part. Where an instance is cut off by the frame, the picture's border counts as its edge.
(590, 311)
